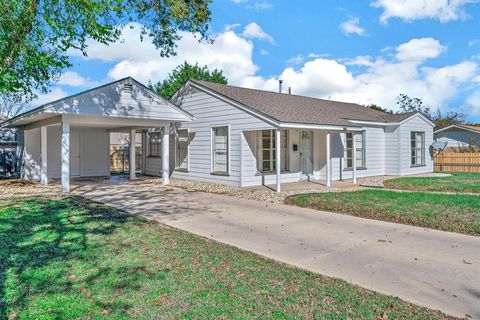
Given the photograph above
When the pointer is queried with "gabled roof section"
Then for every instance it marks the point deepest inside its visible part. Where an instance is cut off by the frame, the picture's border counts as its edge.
(465, 127)
(126, 98)
(286, 108)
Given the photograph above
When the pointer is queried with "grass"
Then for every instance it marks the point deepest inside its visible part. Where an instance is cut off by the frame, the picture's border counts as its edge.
(458, 182)
(456, 213)
(69, 258)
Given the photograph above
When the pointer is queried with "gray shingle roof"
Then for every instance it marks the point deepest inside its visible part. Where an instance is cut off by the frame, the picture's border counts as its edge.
(299, 109)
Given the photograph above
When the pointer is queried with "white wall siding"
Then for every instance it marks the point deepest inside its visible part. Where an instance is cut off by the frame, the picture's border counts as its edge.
(392, 152)
(414, 124)
(94, 153)
(211, 112)
(31, 155)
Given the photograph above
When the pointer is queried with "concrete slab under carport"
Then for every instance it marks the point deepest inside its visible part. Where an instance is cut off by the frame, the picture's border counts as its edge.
(436, 269)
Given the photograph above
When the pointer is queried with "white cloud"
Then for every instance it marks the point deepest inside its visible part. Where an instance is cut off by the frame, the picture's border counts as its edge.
(73, 79)
(473, 102)
(229, 52)
(380, 80)
(420, 49)
(442, 10)
(254, 31)
(352, 26)
(260, 5)
(55, 94)
(383, 79)
(298, 59)
(264, 52)
(473, 42)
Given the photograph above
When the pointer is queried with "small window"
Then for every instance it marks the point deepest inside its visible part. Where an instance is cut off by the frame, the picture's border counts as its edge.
(155, 144)
(266, 151)
(220, 150)
(417, 142)
(182, 150)
(360, 150)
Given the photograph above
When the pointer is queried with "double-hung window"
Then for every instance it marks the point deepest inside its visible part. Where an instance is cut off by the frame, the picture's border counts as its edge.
(417, 143)
(220, 150)
(181, 157)
(360, 150)
(266, 150)
(155, 144)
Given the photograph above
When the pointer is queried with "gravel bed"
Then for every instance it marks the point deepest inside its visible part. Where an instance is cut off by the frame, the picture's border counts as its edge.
(22, 188)
(245, 193)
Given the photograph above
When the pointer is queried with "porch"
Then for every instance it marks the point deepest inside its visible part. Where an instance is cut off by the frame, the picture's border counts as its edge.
(294, 158)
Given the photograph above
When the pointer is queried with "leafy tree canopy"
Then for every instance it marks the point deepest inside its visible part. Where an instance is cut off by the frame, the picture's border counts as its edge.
(441, 119)
(378, 108)
(182, 74)
(36, 35)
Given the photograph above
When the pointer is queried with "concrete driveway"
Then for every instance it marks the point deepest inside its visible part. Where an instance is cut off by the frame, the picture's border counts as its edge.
(439, 270)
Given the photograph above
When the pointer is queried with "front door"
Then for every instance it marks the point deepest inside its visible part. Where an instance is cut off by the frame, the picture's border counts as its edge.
(306, 152)
(75, 154)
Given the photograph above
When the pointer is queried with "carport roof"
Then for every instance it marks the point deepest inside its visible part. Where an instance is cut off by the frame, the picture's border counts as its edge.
(124, 98)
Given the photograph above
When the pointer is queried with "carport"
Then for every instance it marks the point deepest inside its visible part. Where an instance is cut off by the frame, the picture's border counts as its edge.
(70, 137)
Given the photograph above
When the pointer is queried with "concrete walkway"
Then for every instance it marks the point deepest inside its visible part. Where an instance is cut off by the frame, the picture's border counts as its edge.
(439, 270)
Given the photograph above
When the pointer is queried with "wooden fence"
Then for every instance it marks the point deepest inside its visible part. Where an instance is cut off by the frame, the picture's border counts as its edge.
(451, 161)
(119, 158)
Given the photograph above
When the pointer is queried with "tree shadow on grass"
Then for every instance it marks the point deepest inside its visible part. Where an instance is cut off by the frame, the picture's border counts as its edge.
(41, 238)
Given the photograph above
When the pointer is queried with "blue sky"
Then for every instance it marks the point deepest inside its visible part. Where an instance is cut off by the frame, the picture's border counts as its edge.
(360, 51)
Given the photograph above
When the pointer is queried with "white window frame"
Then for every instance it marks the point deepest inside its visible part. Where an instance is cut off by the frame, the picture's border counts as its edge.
(159, 146)
(362, 151)
(177, 167)
(212, 171)
(414, 150)
(284, 152)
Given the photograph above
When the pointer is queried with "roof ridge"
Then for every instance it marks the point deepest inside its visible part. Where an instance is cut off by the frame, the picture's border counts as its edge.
(286, 94)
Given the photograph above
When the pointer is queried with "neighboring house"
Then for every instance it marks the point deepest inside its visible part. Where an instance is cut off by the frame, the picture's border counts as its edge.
(219, 133)
(459, 136)
(236, 132)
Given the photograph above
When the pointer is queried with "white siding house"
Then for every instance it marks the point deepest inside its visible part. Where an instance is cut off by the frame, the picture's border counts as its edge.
(382, 147)
(219, 133)
(459, 136)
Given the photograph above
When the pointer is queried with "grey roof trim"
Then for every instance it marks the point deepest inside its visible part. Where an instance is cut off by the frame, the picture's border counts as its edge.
(459, 127)
(47, 105)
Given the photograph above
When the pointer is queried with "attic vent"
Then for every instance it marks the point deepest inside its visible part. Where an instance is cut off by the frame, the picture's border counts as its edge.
(128, 88)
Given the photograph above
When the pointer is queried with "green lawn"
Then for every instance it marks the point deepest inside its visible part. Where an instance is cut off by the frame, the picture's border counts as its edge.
(457, 182)
(70, 258)
(456, 213)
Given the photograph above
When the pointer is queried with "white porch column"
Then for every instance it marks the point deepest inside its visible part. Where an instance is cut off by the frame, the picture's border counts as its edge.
(132, 147)
(43, 155)
(278, 157)
(165, 154)
(354, 158)
(328, 171)
(65, 156)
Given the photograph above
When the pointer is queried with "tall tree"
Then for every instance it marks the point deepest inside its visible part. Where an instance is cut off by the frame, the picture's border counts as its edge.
(12, 104)
(441, 119)
(36, 35)
(378, 108)
(181, 74)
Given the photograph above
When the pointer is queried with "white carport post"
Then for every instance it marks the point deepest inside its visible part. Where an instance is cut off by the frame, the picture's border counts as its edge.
(278, 157)
(43, 155)
(328, 170)
(132, 159)
(165, 154)
(354, 157)
(65, 156)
